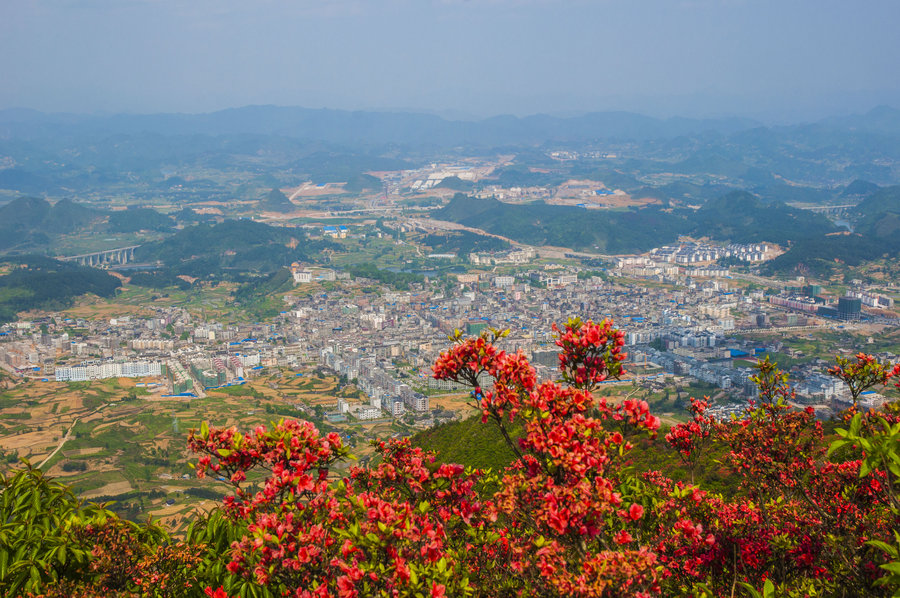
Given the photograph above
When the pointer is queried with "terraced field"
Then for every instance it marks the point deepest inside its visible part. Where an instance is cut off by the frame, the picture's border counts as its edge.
(116, 441)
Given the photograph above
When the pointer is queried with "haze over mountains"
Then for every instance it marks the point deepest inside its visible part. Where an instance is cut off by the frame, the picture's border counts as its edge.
(410, 128)
(62, 154)
(728, 180)
(341, 126)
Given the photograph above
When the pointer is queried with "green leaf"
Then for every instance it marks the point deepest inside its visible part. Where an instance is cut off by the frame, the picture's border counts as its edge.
(894, 469)
(35, 575)
(864, 469)
(883, 546)
(855, 424)
(836, 445)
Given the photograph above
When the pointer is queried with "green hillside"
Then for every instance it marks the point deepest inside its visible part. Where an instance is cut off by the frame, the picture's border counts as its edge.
(738, 217)
(468, 442)
(876, 222)
(138, 219)
(742, 218)
(475, 444)
(276, 201)
(227, 248)
(37, 282)
(27, 222)
(565, 226)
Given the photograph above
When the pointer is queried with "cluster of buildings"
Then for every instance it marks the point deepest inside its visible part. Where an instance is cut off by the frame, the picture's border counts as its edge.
(693, 253)
(305, 275)
(378, 379)
(99, 370)
(869, 299)
(386, 341)
(846, 308)
(513, 256)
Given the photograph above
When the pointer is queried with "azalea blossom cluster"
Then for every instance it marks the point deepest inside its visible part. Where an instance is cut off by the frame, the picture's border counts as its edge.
(569, 516)
(785, 504)
(862, 373)
(590, 353)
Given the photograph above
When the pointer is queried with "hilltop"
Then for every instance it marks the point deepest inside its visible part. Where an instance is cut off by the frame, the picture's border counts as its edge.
(276, 201)
(26, 222)
(737, 217)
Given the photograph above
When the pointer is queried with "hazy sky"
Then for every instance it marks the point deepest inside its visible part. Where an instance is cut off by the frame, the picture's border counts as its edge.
(792, 59)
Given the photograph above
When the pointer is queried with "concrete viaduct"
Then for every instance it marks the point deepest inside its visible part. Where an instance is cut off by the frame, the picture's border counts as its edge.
(122, 255)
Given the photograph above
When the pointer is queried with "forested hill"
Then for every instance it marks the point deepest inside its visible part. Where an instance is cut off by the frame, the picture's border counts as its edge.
(276, 201)
(217, 250)
(879, 215)
(876, 235)
(737, 217)
(28, 221)
(742, 218)
(30, 224)
(564, 226)
(35, 282)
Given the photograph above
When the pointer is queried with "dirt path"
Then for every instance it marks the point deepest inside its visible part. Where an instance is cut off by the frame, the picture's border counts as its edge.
(61, 443)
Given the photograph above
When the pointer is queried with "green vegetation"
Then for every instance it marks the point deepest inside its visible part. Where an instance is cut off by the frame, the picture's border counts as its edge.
(27, 222)
(42, 283)
(456, 184)
(876, 227)
(137, 219)
(468, 442)
(397, 280)
(463, 243)
(742, 218)
(229, 249)
(276, 201)
(564, 226)
(259, 299)
(738, 217)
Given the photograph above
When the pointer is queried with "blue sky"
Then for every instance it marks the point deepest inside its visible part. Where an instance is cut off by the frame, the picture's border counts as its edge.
(774, 59)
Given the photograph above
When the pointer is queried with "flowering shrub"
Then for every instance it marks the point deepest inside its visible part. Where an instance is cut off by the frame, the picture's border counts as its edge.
(692, 439)
(570, 516)
(862, 374)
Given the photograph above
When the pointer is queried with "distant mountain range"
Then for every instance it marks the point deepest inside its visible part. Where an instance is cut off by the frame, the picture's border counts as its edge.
(360, 127)
(678, 159)
(357, 127)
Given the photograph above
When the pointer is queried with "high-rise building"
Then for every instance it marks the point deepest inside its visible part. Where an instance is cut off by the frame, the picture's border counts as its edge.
(849, 308)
